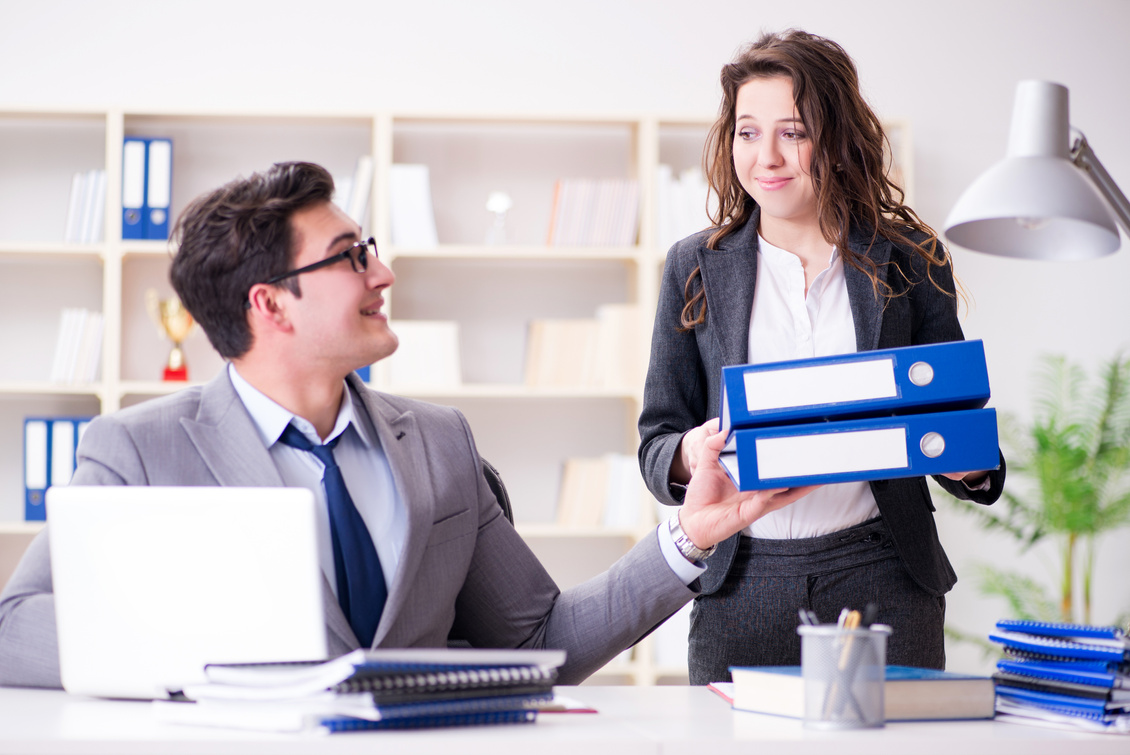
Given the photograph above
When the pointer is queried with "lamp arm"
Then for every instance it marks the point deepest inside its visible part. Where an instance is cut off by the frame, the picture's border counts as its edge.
(1086, 160)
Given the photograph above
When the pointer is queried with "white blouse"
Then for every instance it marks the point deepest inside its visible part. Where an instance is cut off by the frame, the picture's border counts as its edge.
(786, 324)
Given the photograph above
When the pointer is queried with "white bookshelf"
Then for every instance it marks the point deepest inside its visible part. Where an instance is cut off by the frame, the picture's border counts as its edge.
(492, 291)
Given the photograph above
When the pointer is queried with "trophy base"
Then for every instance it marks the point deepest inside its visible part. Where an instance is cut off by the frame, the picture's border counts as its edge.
(176, 375)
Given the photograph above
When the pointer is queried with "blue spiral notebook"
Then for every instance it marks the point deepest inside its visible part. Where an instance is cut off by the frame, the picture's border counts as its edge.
(1096, 674)
(1110, 651)
(337, 725)
(1063, 630)
(1065, 704)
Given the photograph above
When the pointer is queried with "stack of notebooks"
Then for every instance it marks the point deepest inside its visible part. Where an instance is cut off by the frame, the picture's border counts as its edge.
(1072, 675)
(372, 690)
(873, 415)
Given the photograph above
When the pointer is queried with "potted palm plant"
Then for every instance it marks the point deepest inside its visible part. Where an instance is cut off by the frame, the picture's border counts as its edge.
(1068, 482)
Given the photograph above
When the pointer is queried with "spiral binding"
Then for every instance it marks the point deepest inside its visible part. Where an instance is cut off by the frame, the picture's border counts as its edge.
(442, 681)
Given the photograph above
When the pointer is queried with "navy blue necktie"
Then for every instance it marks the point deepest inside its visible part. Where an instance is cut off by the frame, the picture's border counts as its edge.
(361, 588)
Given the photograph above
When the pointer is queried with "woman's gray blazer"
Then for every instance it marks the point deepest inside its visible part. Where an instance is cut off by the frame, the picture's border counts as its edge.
(683, 381)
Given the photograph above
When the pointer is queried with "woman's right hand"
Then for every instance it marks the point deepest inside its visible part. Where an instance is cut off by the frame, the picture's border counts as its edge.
(690, 451)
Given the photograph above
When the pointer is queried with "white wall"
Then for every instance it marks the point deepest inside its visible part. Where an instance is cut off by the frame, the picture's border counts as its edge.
(949, 68)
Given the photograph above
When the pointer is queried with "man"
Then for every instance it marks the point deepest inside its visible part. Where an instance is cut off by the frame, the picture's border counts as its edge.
(289, 292)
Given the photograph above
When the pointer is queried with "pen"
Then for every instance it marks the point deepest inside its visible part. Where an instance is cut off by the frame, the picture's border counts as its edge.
(840, 692)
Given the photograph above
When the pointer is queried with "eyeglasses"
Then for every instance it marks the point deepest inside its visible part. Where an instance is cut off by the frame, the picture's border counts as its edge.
(357, 254)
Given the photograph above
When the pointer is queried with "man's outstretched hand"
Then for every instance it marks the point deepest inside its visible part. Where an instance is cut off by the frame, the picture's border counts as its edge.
(714, 508)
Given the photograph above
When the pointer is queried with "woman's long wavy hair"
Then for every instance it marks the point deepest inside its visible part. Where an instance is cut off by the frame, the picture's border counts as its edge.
(848, 167)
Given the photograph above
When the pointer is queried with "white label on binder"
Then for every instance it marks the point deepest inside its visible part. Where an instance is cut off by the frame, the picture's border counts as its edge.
(822, 384)
(35, 454)
(62, 451)
(831, 453)
(160, 172)
(133, 175)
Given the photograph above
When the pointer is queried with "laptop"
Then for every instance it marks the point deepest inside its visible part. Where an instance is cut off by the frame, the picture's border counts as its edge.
(151, 583)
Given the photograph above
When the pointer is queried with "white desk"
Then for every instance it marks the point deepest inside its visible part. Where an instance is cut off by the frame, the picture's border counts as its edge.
(652, 720)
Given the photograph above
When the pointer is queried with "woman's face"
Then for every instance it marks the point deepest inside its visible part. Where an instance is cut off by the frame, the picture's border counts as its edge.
(772, 150)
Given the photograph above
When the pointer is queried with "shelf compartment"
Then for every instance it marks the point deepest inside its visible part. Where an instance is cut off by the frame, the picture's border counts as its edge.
(469, 159)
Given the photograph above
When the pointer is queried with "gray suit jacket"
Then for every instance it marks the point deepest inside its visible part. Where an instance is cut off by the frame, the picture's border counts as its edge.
(465, 570)
(683, 387)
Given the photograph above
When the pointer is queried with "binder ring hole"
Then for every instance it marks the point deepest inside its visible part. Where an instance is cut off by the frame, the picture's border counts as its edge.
(932, 445)
(921, 373)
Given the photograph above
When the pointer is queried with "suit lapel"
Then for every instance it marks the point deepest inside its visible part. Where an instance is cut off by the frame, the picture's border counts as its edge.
(227, 440)
(403, 445)
(866, 304)
(730, 272)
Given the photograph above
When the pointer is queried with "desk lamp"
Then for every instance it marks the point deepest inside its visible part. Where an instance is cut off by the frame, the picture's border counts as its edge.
(1050, 198)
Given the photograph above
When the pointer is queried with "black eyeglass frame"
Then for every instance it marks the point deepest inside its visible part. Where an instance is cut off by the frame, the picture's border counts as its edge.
(359, 263)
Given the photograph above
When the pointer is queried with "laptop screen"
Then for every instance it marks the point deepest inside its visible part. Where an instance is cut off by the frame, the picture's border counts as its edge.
(151, 583)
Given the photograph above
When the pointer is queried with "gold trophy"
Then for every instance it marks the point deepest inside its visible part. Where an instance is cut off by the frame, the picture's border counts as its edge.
(174, 321)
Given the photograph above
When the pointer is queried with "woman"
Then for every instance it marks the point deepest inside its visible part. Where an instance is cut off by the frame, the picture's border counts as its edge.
(812, 253)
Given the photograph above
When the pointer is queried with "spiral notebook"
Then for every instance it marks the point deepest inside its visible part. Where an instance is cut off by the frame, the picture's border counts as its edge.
(390, 675)
(1108, 650)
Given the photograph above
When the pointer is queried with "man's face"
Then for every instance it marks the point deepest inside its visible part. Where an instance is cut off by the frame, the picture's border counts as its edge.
(337, 320)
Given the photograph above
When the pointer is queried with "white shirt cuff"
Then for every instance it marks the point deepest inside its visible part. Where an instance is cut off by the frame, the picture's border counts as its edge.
(684, 569)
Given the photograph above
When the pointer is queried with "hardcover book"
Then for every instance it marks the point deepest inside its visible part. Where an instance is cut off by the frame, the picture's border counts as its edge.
(910, 694)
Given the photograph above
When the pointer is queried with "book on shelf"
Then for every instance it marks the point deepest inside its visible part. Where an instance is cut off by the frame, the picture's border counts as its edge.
(621, 340)
(78, 346)
(681, 204)
(375, 689)
(352, 192)
(561, 353)
(605, 491)
(86, 208)
(909, 693)
(428, 354)
(360, 188)
(411, 218)
(604, 351)
(594, 212)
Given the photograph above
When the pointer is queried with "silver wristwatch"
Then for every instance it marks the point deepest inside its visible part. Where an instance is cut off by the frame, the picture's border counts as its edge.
(689, 550)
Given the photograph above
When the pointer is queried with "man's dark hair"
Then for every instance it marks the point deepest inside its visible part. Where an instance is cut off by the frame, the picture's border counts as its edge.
(236, 236)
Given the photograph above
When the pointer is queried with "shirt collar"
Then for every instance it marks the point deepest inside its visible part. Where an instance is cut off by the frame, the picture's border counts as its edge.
(778, 256)
(271, 419)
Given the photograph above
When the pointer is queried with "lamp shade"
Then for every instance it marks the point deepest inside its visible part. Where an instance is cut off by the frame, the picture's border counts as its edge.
(1035, 203)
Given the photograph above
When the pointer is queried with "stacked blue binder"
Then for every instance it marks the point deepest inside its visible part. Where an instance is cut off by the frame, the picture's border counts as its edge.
(905, 412)
(1059, 672)
(147, 184)
(49, 458)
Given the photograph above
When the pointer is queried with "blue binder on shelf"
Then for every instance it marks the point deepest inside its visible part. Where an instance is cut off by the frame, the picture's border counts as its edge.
(924, 378)
(49, 458)
(158, 188)
(870, 448)
(134, 173)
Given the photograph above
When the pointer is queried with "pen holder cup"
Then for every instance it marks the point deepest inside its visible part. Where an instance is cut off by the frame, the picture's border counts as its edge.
(844, 674)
